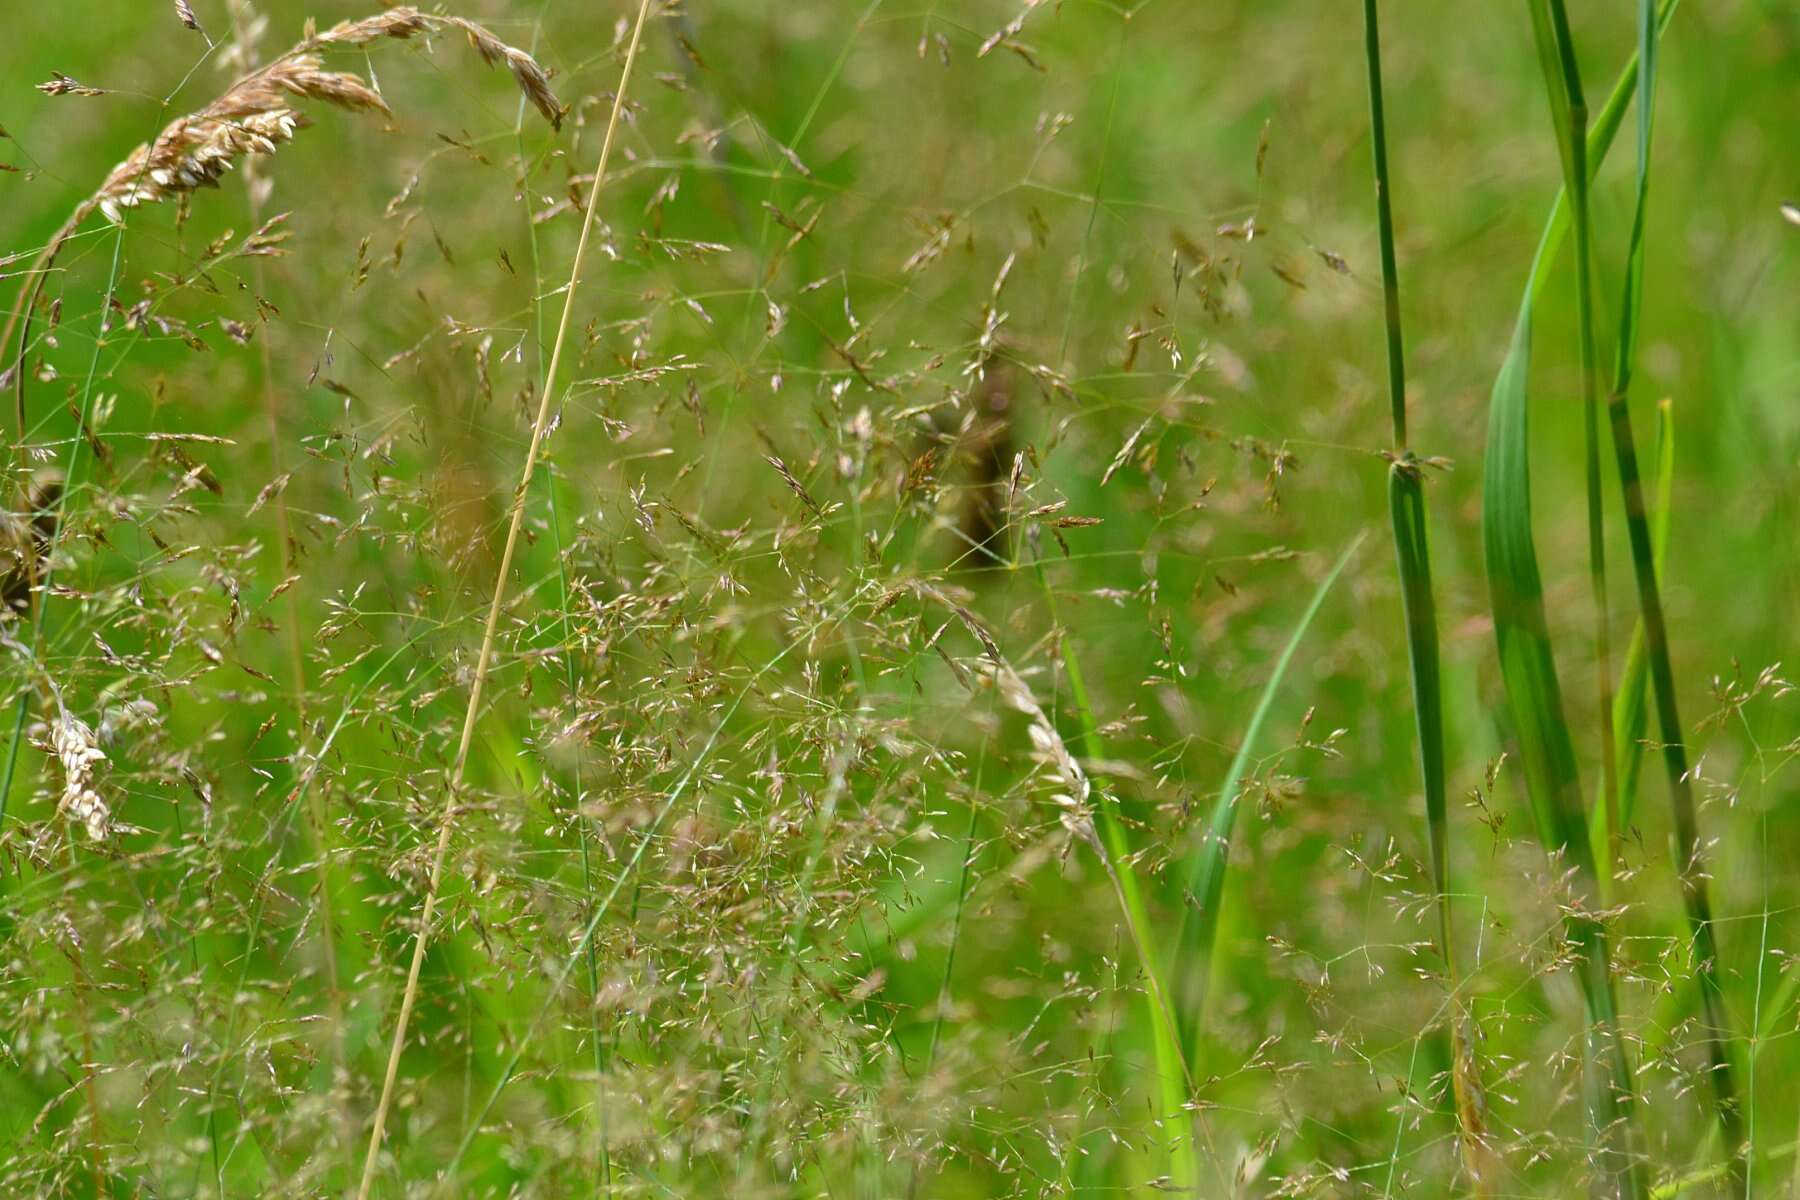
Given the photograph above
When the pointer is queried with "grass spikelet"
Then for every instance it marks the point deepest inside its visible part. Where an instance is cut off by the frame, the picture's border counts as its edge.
(533, 81)
(79, 752)
(255, 116)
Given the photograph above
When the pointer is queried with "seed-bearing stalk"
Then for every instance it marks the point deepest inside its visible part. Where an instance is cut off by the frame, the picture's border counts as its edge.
(539, 426)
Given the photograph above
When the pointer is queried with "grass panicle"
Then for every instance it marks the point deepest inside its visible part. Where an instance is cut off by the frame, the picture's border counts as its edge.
(729, 635)
(254, 116)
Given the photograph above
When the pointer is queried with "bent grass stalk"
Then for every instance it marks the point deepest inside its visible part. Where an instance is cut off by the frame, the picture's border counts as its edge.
(446, 821)
(1406, 507)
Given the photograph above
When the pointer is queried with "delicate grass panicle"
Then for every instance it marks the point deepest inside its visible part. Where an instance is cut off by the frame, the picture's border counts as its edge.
(774, 601)
(539, 427)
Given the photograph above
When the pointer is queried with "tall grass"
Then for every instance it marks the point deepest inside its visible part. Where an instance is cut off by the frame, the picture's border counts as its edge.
(1690, 863)
(768, 717)
(1406, 510)
(1527, 660)
(502, 579)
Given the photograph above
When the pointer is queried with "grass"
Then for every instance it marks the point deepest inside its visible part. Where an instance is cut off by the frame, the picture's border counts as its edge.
(1407, 512)
(773, 601)
(539, 425)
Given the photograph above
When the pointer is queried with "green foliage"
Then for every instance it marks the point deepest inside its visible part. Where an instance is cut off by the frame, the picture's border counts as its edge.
(938, 737)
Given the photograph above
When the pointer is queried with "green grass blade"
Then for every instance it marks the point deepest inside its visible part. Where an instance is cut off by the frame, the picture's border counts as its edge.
(1406, 509)
(1406, 505)
(1568, 105)
(1172, 1069)
(1548, 35)
(1546, 753)
(1630, 706)
(1599, 141)
(1521, 628)
(1199, 930)
(1527, 662)
(1689, 859)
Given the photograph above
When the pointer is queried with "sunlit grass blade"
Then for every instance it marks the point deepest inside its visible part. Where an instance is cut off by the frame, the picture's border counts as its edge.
(1195, 943)
(1406, 507)
(1689, 860)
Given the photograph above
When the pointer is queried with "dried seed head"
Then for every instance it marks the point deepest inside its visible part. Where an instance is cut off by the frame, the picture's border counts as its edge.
(61, 85)
(256, 114)
(80, 752)
(533, 80)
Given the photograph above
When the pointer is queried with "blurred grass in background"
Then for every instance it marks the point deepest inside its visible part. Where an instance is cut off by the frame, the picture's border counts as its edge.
(1130, 249)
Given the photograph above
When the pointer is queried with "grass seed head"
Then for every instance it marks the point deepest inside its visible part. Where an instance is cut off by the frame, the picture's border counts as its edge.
(79, 752)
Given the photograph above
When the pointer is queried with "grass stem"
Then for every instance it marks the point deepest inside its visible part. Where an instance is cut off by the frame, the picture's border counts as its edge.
(446, 821)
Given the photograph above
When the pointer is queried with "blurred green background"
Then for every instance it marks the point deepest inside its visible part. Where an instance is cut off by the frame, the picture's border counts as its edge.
(802, 236)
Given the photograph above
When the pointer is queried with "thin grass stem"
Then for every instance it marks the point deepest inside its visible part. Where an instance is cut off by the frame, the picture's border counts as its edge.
(1406, 508)
(446, 821)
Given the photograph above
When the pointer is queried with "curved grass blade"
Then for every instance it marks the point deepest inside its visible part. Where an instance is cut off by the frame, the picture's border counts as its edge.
(1568, 104)
(1522, 634)
(1199, 931)
(1546, 752)
(1174, 1076)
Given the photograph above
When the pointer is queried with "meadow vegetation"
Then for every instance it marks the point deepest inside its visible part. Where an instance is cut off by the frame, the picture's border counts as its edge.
(1016, 598)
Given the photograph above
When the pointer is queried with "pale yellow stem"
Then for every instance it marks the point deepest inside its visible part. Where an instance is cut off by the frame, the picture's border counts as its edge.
(411, 995)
